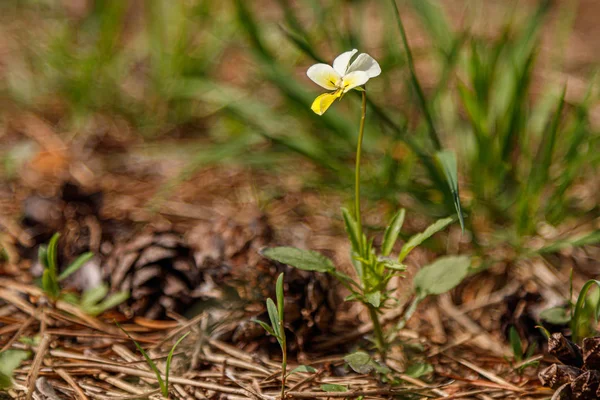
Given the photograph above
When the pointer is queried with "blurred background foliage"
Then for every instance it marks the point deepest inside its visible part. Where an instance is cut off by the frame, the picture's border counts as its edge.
(229, 77)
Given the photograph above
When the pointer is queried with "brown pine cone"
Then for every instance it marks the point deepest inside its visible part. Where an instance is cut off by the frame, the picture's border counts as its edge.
(159, 271)
(310, 300)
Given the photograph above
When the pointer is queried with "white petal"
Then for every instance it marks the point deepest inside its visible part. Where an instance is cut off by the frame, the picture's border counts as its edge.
(366, 63)
(324, 75)
(354, 79)
(340, 64)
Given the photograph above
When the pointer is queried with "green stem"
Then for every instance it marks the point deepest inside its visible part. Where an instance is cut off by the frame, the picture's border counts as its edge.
(379, 338)
(284, 359)
(357, 168)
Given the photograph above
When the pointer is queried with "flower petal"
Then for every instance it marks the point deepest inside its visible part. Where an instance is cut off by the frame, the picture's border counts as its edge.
(340, 64)
(366, 63)
(324, 75)
(322, 102)
(354, 79)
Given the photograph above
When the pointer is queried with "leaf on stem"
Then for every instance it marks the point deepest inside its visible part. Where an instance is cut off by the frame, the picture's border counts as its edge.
(265, 326)
(331, 387)
(279, 294)
(442, 275)
(75, 265)
(391, 232)
(274, 317)
(419, 238)
(51, 252)
(353, 232)
(374, 298)
(556, 315)
(418, 370)
(360, 362)
(306, 260)
(303, 368)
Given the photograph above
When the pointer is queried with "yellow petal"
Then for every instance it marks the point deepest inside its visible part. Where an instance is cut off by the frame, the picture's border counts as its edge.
(354, 79)
(322, 102)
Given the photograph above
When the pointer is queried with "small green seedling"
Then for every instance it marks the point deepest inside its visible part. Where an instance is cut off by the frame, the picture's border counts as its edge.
(163, 383)
(582, 317)
(93, 301)
(278, 331)
(51, 278)
(520, 357)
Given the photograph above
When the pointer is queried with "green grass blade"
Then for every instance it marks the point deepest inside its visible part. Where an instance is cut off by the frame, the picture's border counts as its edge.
(447, 160)
(169, 358)
(163, 388)
(434, 20)
(576, 321)
(415, 81)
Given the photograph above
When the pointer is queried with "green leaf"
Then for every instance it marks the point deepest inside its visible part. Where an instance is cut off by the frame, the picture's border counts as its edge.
(580, 321)
(49, 285)
(303, 368)
(52, 252)
(447, 160)
(306, 260)
(331, 387)
(265, 326)
(352, 230)
(374, 298)
(392, 264)
(515, 343)
(9, 361)
(360, 362)
(279, 294)
(111, 301)
(43, 255)
(75, 265)
(164, 389)
(169, 358)
(556, 315)
(421, 237)
(391, 232)
(274, 317)
(94, 295)
(442, 275)
(419, 370)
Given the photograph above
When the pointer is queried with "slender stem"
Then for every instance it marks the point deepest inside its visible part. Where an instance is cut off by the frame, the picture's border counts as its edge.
(357, 169)
(379, 339)
(284, 359)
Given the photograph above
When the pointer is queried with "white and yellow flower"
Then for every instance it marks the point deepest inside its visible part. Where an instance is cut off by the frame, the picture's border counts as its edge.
(342, 77)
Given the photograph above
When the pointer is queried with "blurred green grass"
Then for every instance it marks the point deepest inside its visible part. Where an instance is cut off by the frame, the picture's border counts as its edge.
(236, 69)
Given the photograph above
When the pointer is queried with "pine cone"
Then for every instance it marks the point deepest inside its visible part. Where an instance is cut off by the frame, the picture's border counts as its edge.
(579, 377)
(310, 300)
(159, 271)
